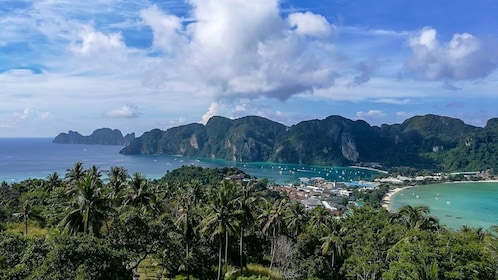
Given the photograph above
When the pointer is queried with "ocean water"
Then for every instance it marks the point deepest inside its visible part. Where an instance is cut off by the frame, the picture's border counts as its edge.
(455, 204)
(23, 158)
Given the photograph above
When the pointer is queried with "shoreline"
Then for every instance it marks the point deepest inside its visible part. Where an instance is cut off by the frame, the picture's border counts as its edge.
(386, 200)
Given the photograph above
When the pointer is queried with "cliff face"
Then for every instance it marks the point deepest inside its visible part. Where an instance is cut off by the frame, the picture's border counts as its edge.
(422, 141)
(102, 136)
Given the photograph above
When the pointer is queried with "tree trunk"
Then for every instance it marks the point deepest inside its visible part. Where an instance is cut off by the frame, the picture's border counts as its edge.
(219, 256)
(241, 247)
(226, 247)
(333, 265)
(26, 224)
(274, 241)
(187, 262)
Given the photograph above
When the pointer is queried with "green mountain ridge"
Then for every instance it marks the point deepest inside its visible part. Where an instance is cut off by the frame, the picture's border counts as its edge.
(430, 142)
(101, 136)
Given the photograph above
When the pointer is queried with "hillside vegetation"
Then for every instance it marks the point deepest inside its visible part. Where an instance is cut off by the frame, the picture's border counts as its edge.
(196, 224)
(430, 142)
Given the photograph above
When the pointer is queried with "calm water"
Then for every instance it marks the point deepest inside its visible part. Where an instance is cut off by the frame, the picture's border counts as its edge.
(455, 204)
(22, 158)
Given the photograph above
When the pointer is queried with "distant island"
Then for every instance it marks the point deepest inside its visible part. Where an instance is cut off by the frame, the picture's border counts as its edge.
(432, 142)
(101, 136)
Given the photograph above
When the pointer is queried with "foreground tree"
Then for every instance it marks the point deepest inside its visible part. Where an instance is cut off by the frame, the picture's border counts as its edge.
(273, 219)
(221, 218)
(90, 208)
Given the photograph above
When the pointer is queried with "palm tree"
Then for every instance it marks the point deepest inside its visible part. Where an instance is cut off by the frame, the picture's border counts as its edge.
(53, 181)
(139, 192)
(246, 203)
(27, 214)
(76, 173)
(118, 178)
(333, 244)
(320, 218)
(186, 201)
(94, 172)
(221, 218)
(296, 218)
(90, 208)
(417, 217)
(273, 217)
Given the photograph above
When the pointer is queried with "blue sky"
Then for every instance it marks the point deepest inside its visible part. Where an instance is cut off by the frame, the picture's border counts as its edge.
(136, 65)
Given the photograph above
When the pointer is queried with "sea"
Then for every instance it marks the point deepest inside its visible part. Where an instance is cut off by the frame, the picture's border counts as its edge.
(24, 158)
(455, 204)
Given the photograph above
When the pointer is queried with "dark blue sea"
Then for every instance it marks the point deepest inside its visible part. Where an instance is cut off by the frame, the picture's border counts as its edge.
(23, 158)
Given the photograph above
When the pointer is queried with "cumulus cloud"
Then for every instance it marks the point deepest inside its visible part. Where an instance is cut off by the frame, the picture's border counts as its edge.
(127, 111)
(239, 49)
(166, 29)
(464, 57)
(310, 24)
(92, 41)
(213, 110)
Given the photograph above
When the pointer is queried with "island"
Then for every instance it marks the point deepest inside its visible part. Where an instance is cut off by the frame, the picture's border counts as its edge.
(101, 136)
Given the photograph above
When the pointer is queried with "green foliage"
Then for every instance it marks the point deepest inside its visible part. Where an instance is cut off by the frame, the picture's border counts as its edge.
(193, 223)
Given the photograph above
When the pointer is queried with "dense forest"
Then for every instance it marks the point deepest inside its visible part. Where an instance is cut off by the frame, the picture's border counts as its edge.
(197, 223)
(436, 143)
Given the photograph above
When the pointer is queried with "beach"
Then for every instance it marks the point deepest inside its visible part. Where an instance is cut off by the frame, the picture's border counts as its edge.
(386, 201)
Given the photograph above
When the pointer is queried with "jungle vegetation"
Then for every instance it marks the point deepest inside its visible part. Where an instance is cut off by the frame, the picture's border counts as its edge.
(195, 223)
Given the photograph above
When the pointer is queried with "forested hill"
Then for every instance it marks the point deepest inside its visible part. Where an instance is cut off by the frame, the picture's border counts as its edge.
(430, 141)
(101, 136)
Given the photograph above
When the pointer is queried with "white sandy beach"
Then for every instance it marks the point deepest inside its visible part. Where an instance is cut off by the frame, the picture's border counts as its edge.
(386, 201)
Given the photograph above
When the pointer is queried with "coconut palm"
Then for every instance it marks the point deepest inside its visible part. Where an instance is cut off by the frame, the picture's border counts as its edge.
(118, 178)
(89, 209)
(246, 203)
(334, 243)
(417, 217)
(94, 171)
(53, 181)
(28, 213)
(186, 201)
(319, 219)
(140, 192)
(221, 218)
(296, 218)
(76, 173)
(273, 217)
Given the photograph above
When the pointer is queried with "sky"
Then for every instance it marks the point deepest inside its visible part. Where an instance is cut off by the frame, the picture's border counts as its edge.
(136, 65)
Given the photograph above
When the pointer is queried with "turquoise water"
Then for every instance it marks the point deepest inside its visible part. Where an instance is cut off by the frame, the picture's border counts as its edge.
(23, 158)
(455, 204)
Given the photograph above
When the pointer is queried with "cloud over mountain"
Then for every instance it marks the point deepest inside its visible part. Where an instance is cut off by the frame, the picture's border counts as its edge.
(464, 57)
(234, 49)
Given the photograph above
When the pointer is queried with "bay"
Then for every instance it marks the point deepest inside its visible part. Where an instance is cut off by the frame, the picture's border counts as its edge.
(455, 204)
(23, 158)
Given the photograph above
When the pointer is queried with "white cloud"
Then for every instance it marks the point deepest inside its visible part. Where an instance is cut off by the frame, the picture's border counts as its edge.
(238, 49)
(91, 42)
(30, 113)
(213, 110)
(371, 114)
(128, 111)
(166, 29)
(393, 101)
(464, 57)
(310, 24)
